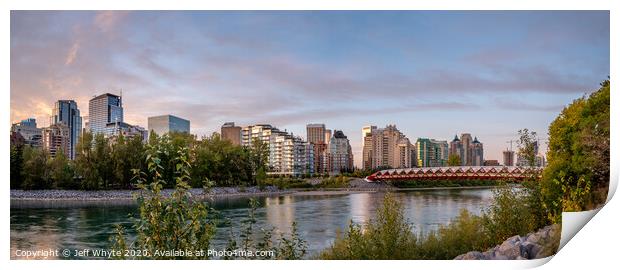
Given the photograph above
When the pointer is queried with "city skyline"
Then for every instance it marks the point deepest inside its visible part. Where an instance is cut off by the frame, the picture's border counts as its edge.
(342, 69)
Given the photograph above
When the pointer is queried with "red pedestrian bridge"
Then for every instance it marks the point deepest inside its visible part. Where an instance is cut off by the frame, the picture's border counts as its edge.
(506, 173)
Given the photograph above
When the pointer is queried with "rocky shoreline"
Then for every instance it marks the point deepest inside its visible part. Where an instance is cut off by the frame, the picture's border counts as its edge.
(355, 185)
(536, 245)
(108, 195)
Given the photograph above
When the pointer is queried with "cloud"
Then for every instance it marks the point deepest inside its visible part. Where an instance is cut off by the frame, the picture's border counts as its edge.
(72, 54)
(106, 21)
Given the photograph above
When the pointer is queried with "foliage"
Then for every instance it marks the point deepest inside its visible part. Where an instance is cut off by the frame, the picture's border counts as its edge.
(527, 144)
(389, 236)
(578, 155)
(17, 164)
(222, 162)
(464, 233)
(454, 160)
(340, 181)
(61, 171)
(36, 174)
(291, 247)
(108, 162)
(174, 223)
(512, 213)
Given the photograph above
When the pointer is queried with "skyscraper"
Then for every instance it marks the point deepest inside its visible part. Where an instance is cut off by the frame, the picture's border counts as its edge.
(231, 133)
(466, 141)
(163, 124)
(67, 112)
(102, 110)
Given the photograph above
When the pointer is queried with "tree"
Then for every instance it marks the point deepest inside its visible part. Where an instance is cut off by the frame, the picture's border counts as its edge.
(527, 145)
(259, 154)
(454, 160)
(17, 165)
(85, 163)
(36, 171)
(61, 171)
(577, 174)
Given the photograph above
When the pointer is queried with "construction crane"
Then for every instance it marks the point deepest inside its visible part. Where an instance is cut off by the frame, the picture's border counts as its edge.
(511, 141)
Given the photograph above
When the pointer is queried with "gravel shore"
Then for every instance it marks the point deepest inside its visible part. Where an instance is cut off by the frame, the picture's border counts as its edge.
(355, 185)
(104, 195)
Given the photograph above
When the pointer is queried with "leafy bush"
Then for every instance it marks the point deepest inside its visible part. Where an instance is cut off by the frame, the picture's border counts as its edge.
(174, 223)
(340, 181)
(390, 236)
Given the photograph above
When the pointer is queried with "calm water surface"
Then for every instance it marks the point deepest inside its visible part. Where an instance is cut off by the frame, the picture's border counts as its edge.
(80, 225)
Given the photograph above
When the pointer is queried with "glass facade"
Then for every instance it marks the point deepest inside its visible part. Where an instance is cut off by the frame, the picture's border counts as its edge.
(167, 123)
(67, 113)
(102, 110)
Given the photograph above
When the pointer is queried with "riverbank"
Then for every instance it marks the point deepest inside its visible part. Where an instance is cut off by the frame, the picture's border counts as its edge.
(356, 185)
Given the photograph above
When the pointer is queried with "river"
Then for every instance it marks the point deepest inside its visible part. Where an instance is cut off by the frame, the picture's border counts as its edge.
(44, 225)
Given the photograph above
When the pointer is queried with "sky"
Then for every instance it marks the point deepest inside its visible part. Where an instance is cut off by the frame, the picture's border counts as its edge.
(433, 74)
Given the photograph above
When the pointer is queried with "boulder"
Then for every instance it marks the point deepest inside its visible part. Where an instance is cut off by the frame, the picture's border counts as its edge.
(516, 247)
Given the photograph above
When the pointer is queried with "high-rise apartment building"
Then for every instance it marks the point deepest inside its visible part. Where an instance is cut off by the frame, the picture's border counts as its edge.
(432, 153)
(164, 124)
(317, 135)
(340, 155)
(470, 152)
(288, 154)
(231, 133)
(381, 148)
(477, 153)
(103, 110)
(456, 149)
(56, 138)
(67, 113)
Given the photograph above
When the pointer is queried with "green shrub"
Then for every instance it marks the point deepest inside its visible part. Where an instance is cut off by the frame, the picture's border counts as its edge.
(174, 223)
(389, 236)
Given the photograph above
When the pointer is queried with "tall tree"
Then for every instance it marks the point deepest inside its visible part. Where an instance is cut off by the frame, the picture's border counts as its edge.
(61, 171)
(36, 170)
(578, 155)
(17, 165)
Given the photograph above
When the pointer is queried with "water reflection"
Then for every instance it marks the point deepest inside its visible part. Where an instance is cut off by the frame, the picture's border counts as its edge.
(77, 225)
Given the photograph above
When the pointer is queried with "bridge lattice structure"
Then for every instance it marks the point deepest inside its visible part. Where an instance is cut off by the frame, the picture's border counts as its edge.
(505, 173)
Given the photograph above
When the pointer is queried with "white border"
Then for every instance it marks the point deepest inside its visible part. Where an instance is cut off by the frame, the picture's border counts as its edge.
(592, 247)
